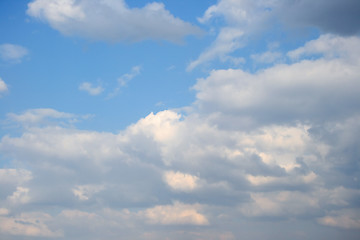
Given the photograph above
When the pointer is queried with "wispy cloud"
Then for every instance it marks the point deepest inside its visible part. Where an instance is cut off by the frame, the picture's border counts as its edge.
(91, 89)
(12, 53)
(125, 79)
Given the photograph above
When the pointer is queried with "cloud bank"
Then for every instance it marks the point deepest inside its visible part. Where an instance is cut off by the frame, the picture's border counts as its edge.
(277, 144)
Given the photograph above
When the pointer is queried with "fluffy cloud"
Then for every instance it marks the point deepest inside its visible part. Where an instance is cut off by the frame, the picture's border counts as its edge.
(181, 181)
(245, 18)
(12, 53)
(316, 90)
(278, 144)
(111, 20)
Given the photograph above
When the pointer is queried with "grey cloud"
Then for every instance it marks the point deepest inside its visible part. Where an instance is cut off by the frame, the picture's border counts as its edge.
(129, 168)
(336, 16)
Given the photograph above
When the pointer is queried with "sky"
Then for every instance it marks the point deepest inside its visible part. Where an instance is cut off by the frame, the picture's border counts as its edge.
(211, 119)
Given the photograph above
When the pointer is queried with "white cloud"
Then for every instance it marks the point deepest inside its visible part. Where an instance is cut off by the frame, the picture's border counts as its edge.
(90, 89)
(242, 19)
(181, 181)
(12, 53)
(252, 17)
(275, 163)
(305, 90)
(228, 40)
(111, 20)
(178, 213)
(330, 47)
(3, 86)
(162, 127)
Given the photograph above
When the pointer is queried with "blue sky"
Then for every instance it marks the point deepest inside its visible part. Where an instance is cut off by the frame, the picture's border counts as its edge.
(228, 119)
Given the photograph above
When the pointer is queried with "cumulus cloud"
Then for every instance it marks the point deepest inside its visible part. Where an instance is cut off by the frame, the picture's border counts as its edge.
(278, 144)
(306, 90)
(181, 181)
(13, 182)
(111, 20)
(12, 53)
(247, 18)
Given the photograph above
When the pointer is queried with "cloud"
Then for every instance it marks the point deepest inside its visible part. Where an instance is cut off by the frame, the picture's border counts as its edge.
(90, 89)
(242, 18)
(346, 219)
(266, 57)
(251, 18)
(39, 116)
(177, 213)
(111, 21)
(12, 53)
(84, 192)
(330, 47)
(125, 79)
(20, 196)
(228, 40)
(3, 87)
(181, 182)
(28, 225)
(315, 90)
(338, 16)
(277, 145)
(12, 181)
